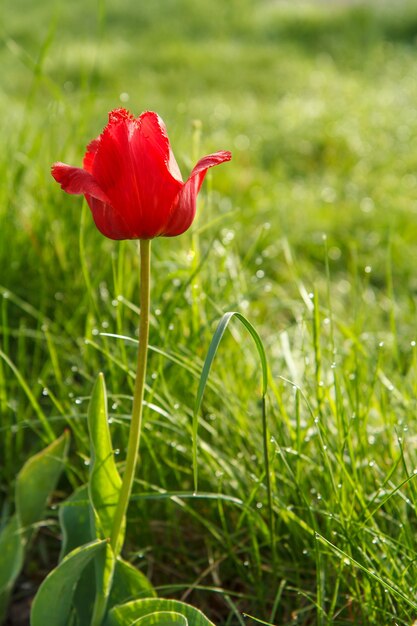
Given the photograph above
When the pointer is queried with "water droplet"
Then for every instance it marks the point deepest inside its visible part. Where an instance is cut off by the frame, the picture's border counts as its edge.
(413, 343)
(158, 312)
(114, 405)
(87, 462)
(45, 391)
(260, 274)
(95, 332)
(116, 451)
(368, 269)
(78, 401)
(371, 463)
(381, 344)
(110, 420)
(154, 375)
(259, 505)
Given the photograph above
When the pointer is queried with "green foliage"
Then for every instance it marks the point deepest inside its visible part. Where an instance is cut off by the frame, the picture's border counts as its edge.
(317, 103)
(53, 602)
(37, 481)
(156, 611)
(35, 484)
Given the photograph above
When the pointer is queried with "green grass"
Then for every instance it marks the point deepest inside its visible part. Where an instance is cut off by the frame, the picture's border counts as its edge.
(310, 232)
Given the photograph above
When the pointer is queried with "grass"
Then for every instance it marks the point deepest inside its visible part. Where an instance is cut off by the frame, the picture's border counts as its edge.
(310, 233)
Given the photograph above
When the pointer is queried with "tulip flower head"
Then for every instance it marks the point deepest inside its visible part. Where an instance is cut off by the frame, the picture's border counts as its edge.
(131, 180)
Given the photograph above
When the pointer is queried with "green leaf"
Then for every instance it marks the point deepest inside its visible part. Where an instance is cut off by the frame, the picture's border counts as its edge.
(162, 618)
(74, 518)
(11, 561)
(104, 481)
(129, 583)
(37, 480)
(129, 613)
(104, 489)
(53, 602)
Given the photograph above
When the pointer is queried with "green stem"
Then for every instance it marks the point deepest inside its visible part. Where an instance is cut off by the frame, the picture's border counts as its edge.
(136, 423)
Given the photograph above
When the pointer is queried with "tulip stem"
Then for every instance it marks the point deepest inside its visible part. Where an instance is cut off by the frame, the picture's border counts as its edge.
(136, 422)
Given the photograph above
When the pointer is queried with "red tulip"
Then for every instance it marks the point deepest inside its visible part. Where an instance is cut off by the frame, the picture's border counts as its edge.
(132, 182)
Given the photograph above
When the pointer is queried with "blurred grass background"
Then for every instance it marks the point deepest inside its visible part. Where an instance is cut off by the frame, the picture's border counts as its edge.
(310, 232)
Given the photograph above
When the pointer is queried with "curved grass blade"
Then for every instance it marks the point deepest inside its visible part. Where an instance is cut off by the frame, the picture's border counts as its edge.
(214, 345)
(53, 602)
(215, 342)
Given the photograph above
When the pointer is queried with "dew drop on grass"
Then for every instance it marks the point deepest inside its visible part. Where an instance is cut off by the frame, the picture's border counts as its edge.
(115, 302)
(305, 552)
(154, 375)
(176, 406)
(371, 463)
(78, 401)
(87, 462)
(316, 420)
(95, 332)
(116, 451)
(6, 294)
(413, 344)
(114, 406)
(381, 344)
(171, 327)
(45, 391)
(246, 563)
(259, 505)
(260, 274)
(346, 561)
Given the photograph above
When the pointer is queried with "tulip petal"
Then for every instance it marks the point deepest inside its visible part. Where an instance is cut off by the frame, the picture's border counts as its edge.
(90, 155)
(77, 181)
(108, 221)
(184, 207)
(133, 164)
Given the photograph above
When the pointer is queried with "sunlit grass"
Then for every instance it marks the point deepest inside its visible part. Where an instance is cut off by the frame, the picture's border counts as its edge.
(310, 233)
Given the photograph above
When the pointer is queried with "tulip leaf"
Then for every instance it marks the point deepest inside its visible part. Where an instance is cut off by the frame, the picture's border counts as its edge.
(129, 613)
(104, 481)
(53, 602)
(37, 480)
(75, 520)
(129, 583)
(104, 489)
(162, 618)
(11, 561)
